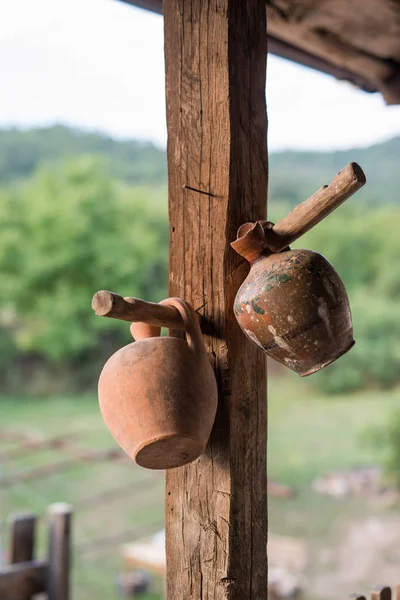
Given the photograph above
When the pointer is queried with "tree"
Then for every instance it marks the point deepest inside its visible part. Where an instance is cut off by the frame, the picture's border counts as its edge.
(66, 233)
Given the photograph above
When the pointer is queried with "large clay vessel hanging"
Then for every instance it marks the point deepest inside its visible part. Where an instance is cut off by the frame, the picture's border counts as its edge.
(158, 395)
(293, 304)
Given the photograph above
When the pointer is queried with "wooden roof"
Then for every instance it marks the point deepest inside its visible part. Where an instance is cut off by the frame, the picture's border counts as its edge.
(354, 40)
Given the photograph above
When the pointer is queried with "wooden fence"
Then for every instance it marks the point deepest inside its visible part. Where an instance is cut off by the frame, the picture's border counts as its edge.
(26, 575)
(380, 593)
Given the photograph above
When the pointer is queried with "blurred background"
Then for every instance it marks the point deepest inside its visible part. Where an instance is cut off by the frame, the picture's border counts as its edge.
(83, 206)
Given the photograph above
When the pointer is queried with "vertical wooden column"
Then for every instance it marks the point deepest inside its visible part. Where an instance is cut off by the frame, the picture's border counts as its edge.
(216, 508)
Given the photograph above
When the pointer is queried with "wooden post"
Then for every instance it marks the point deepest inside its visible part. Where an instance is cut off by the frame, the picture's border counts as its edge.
(22, 542)
(216, 507)
(381, 592)
(58, 574)
(22, 538)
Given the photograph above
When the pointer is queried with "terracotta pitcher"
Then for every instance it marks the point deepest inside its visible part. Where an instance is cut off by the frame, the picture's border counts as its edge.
(293, 303)
(158, 395)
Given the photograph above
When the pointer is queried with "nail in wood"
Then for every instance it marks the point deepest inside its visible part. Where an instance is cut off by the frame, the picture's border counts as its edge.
(188, 187)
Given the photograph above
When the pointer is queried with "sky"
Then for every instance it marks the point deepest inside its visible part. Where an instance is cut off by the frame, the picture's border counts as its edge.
(99, 64)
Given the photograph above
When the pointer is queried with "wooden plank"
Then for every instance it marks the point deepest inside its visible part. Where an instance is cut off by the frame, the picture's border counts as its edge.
(337, 49)
(291, 52)
(371, 27)
(358, 45)
(22, 538)
(216, 516)
(23, 580)
(59, 561)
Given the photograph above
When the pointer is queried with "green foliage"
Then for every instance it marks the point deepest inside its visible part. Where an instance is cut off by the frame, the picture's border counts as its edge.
(375, 359)
(296, 175)
(364, 248)
(66, 233)
(77, 224)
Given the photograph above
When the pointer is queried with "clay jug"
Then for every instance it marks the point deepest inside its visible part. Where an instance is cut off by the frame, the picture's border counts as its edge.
(158, 396)
(292, 304)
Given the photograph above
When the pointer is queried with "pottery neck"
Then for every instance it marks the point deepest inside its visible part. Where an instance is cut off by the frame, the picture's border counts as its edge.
(251, 242)
(142, 331)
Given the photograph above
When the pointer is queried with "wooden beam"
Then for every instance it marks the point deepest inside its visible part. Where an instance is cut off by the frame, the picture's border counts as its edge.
(328, 46)
(23, 580)
(216, 507)
(370, 62)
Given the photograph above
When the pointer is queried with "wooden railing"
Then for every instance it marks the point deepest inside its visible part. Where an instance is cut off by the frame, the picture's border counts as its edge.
(380, 593)
(26, 576)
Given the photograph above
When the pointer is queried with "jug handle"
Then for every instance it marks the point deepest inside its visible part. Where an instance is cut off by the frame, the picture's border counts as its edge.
(190, 319)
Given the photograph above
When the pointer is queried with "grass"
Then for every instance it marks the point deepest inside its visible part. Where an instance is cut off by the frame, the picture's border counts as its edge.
(308, 436)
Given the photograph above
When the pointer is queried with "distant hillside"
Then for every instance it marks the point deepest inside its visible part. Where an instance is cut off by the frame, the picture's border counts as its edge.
(22, 151)
(293, 176)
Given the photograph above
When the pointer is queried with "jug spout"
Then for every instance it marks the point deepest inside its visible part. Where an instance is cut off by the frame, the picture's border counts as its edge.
(251, 242)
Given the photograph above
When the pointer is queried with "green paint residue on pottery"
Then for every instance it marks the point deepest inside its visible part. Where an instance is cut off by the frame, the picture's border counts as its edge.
(256, 307)
(276, 278)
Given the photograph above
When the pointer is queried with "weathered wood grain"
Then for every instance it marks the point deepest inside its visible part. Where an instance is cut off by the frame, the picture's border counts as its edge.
(23, 580)
(359, 36)
(59, 555)
(368, 26)
(301, 26)
(216, 518)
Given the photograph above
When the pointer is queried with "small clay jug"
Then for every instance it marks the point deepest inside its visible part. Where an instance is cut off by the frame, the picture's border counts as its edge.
(292, 304)
(158, 396)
